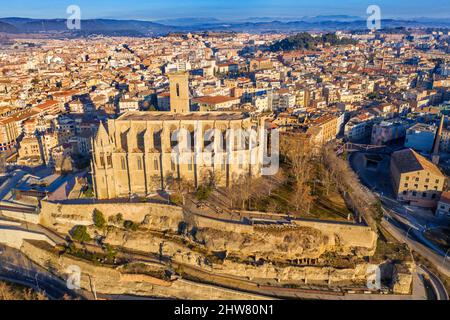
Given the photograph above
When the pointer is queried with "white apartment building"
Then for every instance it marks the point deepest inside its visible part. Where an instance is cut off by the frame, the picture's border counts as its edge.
(128, 105)
(261, 103)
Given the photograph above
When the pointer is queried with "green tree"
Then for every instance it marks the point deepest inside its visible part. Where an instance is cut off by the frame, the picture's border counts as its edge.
(99, 219)
(89, 193)
(305, 41)
(80, 234)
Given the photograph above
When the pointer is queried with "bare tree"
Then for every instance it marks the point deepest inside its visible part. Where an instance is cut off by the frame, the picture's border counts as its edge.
(181, 188)
(299, 157)
(348, 184)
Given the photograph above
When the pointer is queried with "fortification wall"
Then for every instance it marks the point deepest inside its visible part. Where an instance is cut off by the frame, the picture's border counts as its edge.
(351, 235)
(330, 275)
(344, 236)
(62, 217)
(310, 240)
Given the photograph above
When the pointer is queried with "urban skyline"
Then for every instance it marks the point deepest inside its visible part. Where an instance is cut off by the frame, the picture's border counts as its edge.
(195, 159)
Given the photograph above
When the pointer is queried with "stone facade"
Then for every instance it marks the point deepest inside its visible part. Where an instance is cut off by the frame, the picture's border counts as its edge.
(141, 152)
(416, 180)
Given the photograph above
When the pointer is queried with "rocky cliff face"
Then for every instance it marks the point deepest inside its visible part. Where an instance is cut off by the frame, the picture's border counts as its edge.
(114, 281)
(318, 275)
(62, 217)
(305, 242)
(153, 243)
(290, 244)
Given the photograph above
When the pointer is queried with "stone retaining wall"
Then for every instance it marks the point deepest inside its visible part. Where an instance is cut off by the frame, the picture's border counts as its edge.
(111, 281)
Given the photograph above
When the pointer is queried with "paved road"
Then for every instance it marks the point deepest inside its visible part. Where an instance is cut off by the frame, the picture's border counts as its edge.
(438, 286)
(378, 182)
(15, 267)
(399, 232)
(414, 230)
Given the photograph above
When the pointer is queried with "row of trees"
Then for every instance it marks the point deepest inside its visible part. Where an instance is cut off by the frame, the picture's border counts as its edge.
(299, 158)
(312, 167)
(348, 184)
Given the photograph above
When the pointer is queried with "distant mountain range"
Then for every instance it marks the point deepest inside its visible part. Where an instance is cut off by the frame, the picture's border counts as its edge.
(251, 25)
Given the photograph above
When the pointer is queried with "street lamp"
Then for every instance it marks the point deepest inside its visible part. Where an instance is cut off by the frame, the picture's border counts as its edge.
(37, 282)
(406, 238)
(445, 257)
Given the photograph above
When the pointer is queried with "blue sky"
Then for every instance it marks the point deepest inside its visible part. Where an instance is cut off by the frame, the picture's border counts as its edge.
(222, 9)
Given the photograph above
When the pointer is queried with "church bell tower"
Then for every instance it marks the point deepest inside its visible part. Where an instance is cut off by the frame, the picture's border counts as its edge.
(179, 92)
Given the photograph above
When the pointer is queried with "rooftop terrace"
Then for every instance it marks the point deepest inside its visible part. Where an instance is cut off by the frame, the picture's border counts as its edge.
(169, 116)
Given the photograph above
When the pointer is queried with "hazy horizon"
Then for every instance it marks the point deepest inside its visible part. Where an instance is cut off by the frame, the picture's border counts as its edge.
(226, 10)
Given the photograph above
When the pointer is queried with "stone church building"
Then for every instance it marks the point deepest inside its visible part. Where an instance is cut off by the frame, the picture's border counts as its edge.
(141, 152)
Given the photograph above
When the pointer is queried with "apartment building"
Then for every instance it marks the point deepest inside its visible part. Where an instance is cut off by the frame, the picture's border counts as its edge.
(420, 137)
(386, 131)
(443, 206)
(359, 127)
(416, 180)
(328, 126)
(211, 103)
(128, 105)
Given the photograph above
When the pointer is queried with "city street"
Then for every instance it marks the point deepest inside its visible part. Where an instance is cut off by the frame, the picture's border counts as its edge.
(15, 267)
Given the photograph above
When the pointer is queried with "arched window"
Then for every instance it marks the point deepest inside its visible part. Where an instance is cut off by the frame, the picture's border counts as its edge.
(141, 141)
(174, 137)
(123, 141)
(224, 140)
(102, 160)
(208, 139)
(178, 90)
(157, 140)
(191, 139)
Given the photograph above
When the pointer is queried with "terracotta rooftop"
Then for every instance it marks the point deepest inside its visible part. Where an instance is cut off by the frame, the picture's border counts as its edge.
(408, 160)
(445, 197)
(65, 93)
(46, 104)
(214, 99)
(323, 119)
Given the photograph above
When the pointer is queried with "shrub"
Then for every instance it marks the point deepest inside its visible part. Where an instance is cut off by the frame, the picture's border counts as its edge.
(117, 219)
(79, 233)
(99, 219)
(176, 199)
(110, 252)
(130, 225)
(89, 193)
(203, 193)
